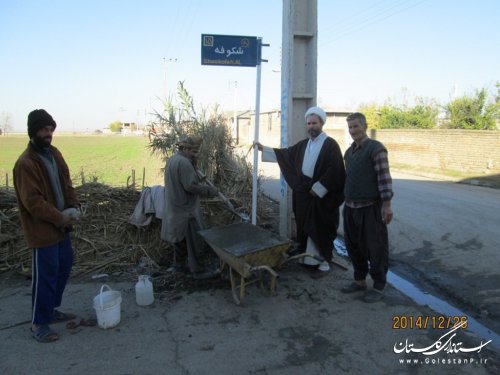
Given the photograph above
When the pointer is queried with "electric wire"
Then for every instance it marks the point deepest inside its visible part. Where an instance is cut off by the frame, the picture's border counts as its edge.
(380, 16)
(358, 14)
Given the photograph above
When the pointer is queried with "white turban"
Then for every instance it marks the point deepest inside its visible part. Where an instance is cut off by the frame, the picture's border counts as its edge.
(316, 111)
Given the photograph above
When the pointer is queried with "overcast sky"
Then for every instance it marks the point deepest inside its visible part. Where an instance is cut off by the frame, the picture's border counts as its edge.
(93, 62)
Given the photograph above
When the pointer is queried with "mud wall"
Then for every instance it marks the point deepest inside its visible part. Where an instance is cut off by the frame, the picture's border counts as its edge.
(468, 151)
(471, 151)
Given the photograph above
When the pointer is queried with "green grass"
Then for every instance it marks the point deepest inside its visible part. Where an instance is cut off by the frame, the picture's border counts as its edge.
(109, 159)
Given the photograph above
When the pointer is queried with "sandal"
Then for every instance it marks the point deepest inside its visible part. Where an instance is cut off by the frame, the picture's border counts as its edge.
(83, 323)
(44, 334)
(72, 325)
(88, 322)
(60, 317)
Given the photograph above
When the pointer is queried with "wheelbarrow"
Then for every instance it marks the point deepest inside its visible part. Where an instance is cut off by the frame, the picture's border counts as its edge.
(250, 253)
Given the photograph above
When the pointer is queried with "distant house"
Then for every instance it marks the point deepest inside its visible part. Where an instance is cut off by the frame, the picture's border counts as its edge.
(270, 124)
(128, 128)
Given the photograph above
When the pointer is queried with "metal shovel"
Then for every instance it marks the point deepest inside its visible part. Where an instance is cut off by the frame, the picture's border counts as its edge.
(243, 216)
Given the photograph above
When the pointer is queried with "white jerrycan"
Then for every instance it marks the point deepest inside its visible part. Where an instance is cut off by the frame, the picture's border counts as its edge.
(144, 291)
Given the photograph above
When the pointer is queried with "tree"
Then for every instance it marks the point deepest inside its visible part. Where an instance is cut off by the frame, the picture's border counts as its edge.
(116, 127)
(5, 125)
(497, 104)
(472, 112)
(422, 116)
(392, 118)
(497, 98)
(372, 114)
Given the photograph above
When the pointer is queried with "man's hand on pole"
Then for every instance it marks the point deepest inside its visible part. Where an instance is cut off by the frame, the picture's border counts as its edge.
(259, 145)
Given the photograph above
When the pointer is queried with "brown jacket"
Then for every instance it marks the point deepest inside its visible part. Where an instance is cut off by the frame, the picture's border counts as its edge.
(40, 219)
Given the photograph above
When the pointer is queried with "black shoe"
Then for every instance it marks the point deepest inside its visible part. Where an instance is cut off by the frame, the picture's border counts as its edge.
(353, 288)
(373, 295)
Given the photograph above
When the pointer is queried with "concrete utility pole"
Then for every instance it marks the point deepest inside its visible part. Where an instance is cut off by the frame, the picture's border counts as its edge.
(298, 84)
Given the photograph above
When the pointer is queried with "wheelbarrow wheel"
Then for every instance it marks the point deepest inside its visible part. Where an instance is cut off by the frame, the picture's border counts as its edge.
(267, 280)
(267, 283)
(236, 279)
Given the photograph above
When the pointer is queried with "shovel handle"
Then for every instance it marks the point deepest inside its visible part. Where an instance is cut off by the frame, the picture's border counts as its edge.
(226, 201)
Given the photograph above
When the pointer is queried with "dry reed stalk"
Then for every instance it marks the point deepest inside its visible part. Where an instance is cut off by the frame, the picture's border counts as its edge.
(103, 240)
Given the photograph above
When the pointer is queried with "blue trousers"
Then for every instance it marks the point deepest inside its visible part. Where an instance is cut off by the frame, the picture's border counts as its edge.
(51, 269)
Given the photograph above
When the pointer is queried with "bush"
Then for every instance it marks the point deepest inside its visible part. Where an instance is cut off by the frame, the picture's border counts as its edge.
(116, 127)
(422, 116)
(472, 112)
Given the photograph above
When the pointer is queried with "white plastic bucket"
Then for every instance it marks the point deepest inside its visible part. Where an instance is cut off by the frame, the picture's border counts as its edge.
(107, 307)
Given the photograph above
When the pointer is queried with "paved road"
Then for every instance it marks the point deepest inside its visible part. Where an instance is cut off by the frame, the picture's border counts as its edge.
(449, 233)
(445, 237)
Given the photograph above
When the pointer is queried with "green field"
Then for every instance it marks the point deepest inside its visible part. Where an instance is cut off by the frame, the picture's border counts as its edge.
(109, 159)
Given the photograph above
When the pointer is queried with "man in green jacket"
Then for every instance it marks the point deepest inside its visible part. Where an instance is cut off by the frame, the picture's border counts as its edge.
(47, 208)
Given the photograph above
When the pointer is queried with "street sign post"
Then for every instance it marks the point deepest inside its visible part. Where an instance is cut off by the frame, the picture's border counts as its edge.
(242, 51)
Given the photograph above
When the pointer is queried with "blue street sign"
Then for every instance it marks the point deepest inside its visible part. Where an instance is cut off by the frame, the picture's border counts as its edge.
(229, 50)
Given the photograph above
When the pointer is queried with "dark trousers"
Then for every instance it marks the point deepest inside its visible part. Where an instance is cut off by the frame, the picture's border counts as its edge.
(51, 269)
(191, 249)
(367, 243)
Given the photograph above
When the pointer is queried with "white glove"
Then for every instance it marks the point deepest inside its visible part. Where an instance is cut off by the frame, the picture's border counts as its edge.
(72, 212)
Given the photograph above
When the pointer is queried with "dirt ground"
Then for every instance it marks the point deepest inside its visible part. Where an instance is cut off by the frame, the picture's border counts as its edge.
(194, 327)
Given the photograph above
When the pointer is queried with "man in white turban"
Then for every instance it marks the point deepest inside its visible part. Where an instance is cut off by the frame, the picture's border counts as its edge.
(314, 170)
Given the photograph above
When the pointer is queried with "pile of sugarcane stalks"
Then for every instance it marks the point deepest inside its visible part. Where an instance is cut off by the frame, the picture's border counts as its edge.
(103, 240)
(12, 247)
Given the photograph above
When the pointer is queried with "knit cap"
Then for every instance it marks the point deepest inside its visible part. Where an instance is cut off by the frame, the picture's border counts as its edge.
(38, 119)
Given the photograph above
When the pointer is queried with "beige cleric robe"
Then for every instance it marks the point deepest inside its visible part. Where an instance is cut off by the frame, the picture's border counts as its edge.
(183, 188)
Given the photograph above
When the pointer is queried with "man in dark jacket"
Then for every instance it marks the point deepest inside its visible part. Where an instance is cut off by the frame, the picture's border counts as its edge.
(47, 208)
(314, 170)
